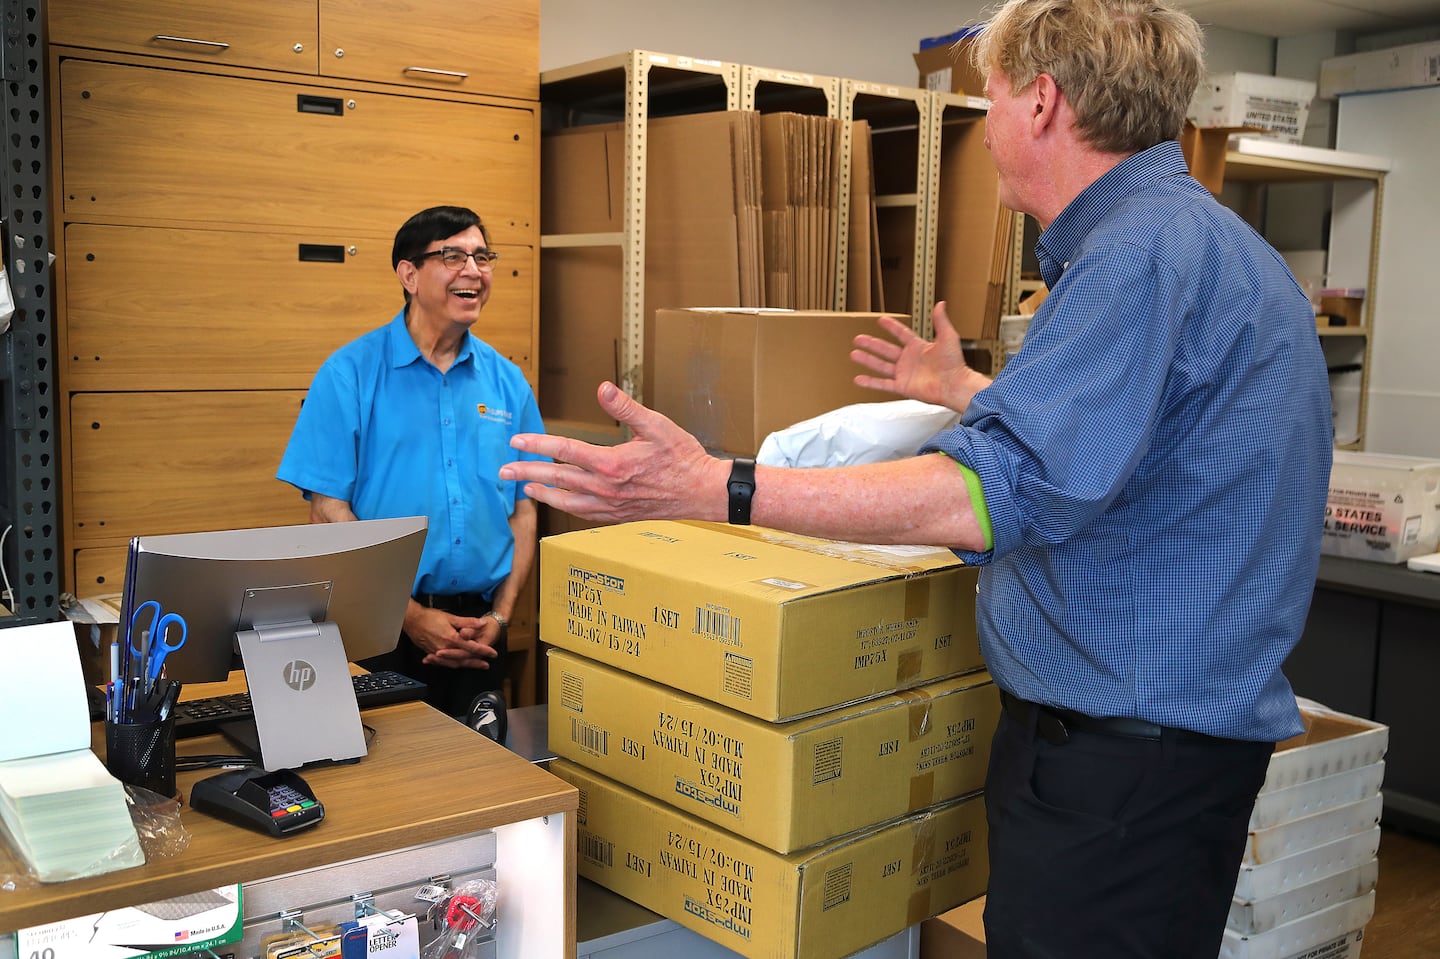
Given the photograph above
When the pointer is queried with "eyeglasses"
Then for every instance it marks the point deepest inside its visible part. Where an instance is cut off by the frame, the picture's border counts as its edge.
(454, 258)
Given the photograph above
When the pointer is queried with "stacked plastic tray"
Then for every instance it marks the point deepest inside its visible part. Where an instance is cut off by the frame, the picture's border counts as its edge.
(1307, 885)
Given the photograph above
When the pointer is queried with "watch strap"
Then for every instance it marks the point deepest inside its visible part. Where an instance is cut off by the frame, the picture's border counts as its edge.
(741, 490)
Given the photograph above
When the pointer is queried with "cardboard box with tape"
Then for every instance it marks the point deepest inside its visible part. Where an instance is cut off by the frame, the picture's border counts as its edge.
(772, 624)
(822, 903)
(783, 785)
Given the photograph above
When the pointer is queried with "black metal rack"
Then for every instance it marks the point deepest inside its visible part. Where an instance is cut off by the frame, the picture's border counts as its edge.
(29, 500)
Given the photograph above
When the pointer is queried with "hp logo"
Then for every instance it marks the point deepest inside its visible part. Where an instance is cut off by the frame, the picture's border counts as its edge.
(299, 675)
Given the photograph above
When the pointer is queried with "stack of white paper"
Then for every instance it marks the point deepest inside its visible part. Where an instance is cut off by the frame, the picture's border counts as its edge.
(60, 808)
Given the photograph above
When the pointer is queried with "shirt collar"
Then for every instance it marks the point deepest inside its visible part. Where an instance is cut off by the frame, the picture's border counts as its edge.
(1058, 244)
(403, 350)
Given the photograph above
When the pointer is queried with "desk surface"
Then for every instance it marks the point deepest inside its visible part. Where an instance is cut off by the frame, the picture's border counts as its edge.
(427, 778)
(1386, 580)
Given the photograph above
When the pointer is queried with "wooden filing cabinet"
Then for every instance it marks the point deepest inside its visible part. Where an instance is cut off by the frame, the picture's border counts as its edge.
(174, 462)
(411, 42)
(166, 145)
(228, 178)
(123, 312)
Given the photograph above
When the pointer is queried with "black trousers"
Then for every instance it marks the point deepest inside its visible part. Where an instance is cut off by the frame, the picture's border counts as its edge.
(450, 690)
(1113, 846)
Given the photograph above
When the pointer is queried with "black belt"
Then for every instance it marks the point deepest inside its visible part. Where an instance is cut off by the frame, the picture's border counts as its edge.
(452, 602)
(1055, 724)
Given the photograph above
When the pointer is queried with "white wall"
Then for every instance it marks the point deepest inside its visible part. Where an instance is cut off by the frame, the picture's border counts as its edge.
(858, 39)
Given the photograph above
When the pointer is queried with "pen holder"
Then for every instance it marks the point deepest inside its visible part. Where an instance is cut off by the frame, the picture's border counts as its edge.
(143, 754)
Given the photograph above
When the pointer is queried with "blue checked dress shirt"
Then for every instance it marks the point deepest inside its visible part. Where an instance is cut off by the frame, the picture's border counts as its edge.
(1155, 462)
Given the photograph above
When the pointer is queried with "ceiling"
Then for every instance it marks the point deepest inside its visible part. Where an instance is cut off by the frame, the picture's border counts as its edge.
(1287, 18)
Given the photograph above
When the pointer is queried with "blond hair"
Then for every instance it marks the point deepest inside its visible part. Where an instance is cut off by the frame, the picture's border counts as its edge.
(1127, 67)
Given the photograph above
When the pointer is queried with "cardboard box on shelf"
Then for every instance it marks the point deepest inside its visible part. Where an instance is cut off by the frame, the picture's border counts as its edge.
(1342, 307)
(1382, 507)
(957, 934)
(774, 625)
(1205, 151)
(734, 376)
(821, 903)
(1278, 105)
(944, 64)
(702, 242)
(783, 785)
(1392, 68)
(973, 232)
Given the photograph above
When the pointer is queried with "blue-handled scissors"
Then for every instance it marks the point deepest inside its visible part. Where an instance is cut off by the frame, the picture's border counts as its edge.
(157, 647)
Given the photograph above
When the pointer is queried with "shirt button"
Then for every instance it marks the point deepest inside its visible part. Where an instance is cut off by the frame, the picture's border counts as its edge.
(446, 421)
(457, 541)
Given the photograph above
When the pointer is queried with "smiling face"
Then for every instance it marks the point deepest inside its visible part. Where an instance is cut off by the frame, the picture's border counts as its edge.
(440, 296)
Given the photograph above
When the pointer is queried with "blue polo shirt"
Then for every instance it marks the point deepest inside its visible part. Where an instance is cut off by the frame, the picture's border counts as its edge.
(1155, 462)
(384, 430)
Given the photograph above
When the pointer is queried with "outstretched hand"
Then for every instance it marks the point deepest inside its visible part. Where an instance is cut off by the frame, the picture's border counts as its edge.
(661, 473)
(916, 368)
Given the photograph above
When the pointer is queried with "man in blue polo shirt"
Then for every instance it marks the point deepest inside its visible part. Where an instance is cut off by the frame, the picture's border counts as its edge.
(414, 419)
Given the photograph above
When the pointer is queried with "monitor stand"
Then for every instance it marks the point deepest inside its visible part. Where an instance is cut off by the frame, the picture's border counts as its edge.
(302, 695)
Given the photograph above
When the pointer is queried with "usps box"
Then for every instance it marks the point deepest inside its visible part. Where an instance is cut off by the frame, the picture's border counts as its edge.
(783, 785)
(1279, 106)
(1334, 933)
(771, 624)
(824, 902)
(1262, 915)
(1269, 880)
(1382, 507)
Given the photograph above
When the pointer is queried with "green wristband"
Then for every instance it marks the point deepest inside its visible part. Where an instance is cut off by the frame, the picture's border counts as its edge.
(977, 503)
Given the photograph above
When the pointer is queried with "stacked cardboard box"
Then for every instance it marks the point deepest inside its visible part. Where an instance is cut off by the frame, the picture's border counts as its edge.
(1308, 878)
(974, 232)
(800, 195)
(779, 741)
(702, 240)
(731, 377)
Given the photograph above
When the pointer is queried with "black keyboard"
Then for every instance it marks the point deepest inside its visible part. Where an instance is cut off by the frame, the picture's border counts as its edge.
(196, 717)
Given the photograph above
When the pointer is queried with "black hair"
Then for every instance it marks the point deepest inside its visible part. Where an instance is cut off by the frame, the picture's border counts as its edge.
(430, 225)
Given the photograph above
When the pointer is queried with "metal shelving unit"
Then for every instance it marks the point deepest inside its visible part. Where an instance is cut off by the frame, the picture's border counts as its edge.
(891, 112)
(1358, 195)
(31, 514)
(632, 87)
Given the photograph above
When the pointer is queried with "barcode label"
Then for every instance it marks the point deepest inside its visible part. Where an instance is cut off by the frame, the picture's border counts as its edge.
(717, 624)
(589, 737)
(594, 849)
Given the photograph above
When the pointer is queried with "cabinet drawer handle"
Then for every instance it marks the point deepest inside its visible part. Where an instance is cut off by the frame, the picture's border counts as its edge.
(203, 43)
(322, 253)
(439, 73)
(309, 103)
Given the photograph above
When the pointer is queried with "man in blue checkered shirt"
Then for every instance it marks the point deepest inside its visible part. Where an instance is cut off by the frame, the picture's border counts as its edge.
(1144, 486)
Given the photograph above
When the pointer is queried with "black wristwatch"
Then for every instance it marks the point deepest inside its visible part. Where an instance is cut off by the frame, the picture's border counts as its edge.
(741, 489)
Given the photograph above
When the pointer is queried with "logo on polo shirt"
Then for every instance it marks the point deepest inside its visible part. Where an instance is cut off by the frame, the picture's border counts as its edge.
(494, 414)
